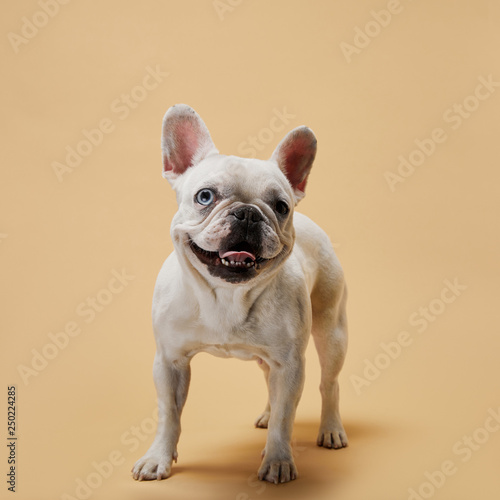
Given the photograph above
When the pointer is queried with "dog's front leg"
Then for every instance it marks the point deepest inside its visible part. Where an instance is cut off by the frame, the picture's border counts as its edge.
(285, 388)
(172, 384)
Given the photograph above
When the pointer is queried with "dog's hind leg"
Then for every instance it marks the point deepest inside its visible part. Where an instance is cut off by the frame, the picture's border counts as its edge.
(263, 418)
(330, 337)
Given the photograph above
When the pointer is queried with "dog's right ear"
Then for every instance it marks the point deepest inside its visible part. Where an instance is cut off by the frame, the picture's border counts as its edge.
(185, 141)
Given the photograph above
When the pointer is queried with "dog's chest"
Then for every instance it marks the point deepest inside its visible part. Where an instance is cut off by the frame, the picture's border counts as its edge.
(228, 329)
(239, 351)
(227, 313)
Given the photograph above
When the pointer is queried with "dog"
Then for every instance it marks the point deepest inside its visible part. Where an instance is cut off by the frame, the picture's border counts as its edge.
(250, 279)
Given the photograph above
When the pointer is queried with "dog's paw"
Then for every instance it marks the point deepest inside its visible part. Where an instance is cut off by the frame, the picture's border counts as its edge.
(277, 471)
(152, 466)
(262, 420)
(332, 437)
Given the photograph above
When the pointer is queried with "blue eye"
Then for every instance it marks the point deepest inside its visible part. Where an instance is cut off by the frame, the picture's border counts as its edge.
(205, 197)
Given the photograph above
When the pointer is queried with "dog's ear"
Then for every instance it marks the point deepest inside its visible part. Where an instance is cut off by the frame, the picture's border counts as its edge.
(185, 141)
(295, 156)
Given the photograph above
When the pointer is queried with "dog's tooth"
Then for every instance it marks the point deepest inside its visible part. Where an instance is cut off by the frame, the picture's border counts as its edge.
(232, 262)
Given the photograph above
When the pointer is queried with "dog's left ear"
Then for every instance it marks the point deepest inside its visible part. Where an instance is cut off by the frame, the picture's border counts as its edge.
(185, 141)
(295, 156)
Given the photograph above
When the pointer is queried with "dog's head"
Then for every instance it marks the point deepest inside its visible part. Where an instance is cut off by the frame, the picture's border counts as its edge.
(235, 217)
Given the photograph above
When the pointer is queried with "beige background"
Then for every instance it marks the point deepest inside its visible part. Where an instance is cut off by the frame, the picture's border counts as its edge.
(60, 241)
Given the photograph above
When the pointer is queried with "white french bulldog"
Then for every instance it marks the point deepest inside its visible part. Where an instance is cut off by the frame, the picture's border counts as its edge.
(248, 279)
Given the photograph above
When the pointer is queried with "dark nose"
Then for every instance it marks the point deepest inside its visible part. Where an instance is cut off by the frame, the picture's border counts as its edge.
(250, 214)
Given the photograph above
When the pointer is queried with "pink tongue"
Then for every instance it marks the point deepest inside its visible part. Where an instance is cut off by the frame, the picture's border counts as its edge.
(237, 256)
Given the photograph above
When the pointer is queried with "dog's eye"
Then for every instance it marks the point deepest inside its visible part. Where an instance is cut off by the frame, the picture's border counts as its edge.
(205, 197)
(282, 207)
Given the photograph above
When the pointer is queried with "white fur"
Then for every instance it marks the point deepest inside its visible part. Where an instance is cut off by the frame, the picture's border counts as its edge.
(267, 319)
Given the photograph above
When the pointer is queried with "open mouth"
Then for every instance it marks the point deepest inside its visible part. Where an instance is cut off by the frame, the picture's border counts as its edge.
(240, 258)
